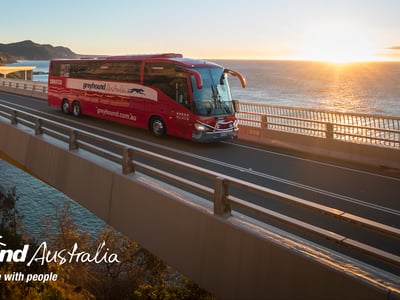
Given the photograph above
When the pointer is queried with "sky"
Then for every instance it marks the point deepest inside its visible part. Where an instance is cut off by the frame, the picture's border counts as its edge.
(337, 30)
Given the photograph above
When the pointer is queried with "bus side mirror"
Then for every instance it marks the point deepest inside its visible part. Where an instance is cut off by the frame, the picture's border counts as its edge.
(236, 106)
(237, 74)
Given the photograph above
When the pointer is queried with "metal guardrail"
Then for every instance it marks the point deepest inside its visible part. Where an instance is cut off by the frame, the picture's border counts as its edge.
(125, 154)
(356, 128)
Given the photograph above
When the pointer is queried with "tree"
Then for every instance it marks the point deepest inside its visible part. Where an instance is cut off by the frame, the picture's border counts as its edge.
(10, 216)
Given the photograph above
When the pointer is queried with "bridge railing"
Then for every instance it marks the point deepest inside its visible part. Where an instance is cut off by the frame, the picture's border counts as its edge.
(223, 200)
(27, 85)
(356, 128)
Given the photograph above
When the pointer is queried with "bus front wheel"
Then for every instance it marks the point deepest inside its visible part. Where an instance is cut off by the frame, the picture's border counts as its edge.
(76, 109)
(157, 127)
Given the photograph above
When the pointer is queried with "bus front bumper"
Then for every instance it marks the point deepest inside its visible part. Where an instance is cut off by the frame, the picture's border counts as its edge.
(214, 136)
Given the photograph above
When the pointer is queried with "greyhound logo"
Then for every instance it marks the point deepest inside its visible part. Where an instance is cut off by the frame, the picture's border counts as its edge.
(137, 91)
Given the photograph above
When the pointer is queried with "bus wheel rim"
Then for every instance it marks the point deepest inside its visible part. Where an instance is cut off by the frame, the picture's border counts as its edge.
(76, 109)
(158, 127)
(65, 107)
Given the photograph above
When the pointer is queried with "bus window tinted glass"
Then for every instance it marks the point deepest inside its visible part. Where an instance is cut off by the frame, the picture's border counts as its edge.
(126, 71)
(169, 80)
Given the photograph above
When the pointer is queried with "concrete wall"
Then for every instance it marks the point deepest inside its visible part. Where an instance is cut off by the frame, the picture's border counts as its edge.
(234, 257)
(334, 149)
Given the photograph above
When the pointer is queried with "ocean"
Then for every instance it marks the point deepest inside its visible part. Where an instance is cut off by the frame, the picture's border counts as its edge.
(368, 87)
(38, 202)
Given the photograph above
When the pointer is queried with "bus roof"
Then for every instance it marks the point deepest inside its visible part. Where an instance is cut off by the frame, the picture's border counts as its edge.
(177, 58)
(144, 56)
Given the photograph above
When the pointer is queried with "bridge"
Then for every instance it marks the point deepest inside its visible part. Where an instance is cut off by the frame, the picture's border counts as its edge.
(27, 71)
(247, 235)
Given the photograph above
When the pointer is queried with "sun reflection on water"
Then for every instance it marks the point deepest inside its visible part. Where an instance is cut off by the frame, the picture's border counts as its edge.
(346, 87)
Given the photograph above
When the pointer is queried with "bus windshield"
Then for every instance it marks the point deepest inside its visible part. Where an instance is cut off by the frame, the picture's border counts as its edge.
(214, 98)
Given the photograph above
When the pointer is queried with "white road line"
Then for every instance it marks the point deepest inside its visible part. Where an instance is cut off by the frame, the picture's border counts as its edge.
(238, 168)
(313, 161)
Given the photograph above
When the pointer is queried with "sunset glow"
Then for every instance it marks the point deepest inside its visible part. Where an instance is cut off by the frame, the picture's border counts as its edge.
(330, 52)
(339, 43)
(335, 31)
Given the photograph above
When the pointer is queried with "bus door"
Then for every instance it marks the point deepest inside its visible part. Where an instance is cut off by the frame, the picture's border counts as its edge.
(182, 108)
(173, 104)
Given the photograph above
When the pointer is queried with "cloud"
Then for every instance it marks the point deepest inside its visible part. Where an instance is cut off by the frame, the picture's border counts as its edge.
(391, 53)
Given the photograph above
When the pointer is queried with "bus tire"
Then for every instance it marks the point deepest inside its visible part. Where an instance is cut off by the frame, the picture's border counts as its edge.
(157, 127)
(65, 108)
(76, 109)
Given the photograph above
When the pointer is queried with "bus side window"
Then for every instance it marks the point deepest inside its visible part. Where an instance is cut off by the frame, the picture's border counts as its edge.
(125, 71)
(159, 75)
(169, 80)
(65, 70)
(55, 67)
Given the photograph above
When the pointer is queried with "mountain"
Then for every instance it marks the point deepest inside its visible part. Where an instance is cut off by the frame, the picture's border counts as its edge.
(28, 50)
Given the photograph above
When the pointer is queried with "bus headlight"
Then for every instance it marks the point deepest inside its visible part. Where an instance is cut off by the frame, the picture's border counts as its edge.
(200, 127)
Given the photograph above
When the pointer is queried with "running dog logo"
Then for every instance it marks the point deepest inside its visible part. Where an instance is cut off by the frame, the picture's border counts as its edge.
(137, 91)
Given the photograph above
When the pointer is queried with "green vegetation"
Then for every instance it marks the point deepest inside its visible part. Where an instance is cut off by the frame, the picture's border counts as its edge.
(138, 275)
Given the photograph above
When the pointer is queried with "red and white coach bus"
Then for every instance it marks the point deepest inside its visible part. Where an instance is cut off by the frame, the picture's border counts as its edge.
(165, 93)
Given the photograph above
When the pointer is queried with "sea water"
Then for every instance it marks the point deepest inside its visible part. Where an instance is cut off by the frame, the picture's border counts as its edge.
(38, 202)
(369, 87)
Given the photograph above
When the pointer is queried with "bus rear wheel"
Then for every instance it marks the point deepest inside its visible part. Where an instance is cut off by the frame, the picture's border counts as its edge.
(76, 109)
(157, 127)
(65, 107)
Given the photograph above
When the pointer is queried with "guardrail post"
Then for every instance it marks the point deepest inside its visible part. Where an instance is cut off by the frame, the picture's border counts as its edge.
(329, 131)
(127, 164)
(38, 127)
(264, 123)
(221, 204)
(14, 120)
(73, 140)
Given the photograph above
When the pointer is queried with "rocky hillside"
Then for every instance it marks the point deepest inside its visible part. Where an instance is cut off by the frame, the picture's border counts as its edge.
(28, 50)
(6, 59)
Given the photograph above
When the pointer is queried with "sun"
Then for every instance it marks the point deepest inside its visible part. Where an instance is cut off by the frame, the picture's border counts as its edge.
(340, 51)
(338, 43)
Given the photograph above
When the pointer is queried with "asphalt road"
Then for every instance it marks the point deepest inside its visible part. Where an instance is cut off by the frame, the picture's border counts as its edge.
(364, 191)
